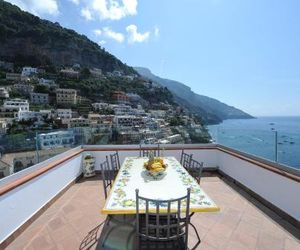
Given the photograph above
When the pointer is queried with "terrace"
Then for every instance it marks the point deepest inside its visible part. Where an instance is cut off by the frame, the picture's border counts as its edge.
(50, 206)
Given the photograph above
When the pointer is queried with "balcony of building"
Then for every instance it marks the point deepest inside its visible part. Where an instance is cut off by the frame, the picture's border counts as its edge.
(51, 206)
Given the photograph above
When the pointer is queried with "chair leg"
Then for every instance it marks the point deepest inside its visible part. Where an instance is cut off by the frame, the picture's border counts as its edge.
(199, 240)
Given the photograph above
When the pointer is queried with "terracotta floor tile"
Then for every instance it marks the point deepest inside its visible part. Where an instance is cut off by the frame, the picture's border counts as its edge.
(249, 229)
(205, 246)
(246, 240)
(215, 240)
(43, 240)
(268, 241)
(62, 232)
(56, 223)
(239, 225)
(70, 242)
(235, 245)
(291, 244)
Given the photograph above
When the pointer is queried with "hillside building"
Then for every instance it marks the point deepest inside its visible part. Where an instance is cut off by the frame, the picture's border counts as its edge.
(66, 96)
(28, 71)
(39, 98)
(56, 139)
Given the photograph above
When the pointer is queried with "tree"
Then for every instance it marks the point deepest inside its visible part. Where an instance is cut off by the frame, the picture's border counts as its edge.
(41, 89)
(85, 73)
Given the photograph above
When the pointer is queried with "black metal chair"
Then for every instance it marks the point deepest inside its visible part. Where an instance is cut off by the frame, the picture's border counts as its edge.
(107, 176)
(163, 227)
(144, 152)
(195, 169)
(117, 228)
(185, 159)
(115, 162)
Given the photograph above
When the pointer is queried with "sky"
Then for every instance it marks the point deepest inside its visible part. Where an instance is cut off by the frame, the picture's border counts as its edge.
(245, 53)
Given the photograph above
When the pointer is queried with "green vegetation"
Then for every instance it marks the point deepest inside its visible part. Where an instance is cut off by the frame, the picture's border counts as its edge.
(47, 40)
(41, 89)
(176, 121)
(102, 89)
(203, 137)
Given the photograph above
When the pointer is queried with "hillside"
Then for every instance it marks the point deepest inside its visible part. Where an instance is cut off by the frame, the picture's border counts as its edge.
(211, 110)
(26, 39)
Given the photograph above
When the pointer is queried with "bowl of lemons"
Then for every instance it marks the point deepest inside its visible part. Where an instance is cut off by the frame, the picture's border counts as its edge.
(155, 166)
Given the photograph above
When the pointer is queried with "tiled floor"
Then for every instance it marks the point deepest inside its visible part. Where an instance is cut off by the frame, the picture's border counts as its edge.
(239, 225)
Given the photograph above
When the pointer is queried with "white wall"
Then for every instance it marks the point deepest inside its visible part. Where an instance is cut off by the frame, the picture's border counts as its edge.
(35, 167)
(277, 189)
(207, 156)
(21, 203)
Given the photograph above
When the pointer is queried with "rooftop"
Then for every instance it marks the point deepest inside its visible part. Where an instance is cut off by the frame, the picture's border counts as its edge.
(50, 206)
(242, 223)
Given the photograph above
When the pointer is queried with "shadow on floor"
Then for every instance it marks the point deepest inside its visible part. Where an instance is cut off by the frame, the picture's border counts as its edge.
(92, 238)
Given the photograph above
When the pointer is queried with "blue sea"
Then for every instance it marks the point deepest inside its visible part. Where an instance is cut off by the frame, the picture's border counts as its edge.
(257, 137)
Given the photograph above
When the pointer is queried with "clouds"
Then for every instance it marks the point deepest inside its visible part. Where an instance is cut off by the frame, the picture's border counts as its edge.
(37, 7)
(116, 36)
(108, 9)
(114, 10)
(94, 10)
(75, 1)
(134, 36)
(86, 14)
(156, 31)
(97, 32)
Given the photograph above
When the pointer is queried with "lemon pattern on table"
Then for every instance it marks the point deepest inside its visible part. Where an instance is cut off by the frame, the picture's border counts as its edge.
(121, 200)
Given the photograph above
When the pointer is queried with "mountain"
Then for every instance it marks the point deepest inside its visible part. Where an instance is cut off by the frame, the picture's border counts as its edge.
(211, 110)
(26, 39)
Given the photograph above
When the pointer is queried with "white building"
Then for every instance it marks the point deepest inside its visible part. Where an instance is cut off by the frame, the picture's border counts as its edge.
(79, 122)
(21, 104)
(97, 122)
(128, 121)
(122, 109)
(100, 105)
(102, 127)
(70, 73)
(47, 82)
(48, 113)
(56, 139)
(177, 138)
(27, 71)
(28, 115)
(3, 126)
(4, 93)
(97, 73)
(23, 88)
(9, 114)
(135, 98)
(158, 113)
(117, 73)
(13, 76)
(39, 98)
(64, 113)
(66, 96)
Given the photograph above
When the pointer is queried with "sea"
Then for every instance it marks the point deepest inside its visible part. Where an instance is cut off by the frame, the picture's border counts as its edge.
(272, 138)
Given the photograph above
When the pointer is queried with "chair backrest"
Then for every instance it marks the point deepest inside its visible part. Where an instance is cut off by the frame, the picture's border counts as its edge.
(195, 169)
(107, 176)
(115, 161)
(144, 152)
(165, 222)
(185, 159)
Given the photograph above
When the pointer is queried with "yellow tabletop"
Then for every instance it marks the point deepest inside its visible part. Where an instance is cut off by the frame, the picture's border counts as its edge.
(173, 184)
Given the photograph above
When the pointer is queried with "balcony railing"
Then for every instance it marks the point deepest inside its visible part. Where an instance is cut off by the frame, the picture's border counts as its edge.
(277, 146)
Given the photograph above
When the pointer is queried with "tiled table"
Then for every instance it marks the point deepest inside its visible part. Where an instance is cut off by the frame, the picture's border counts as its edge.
(173, 184)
